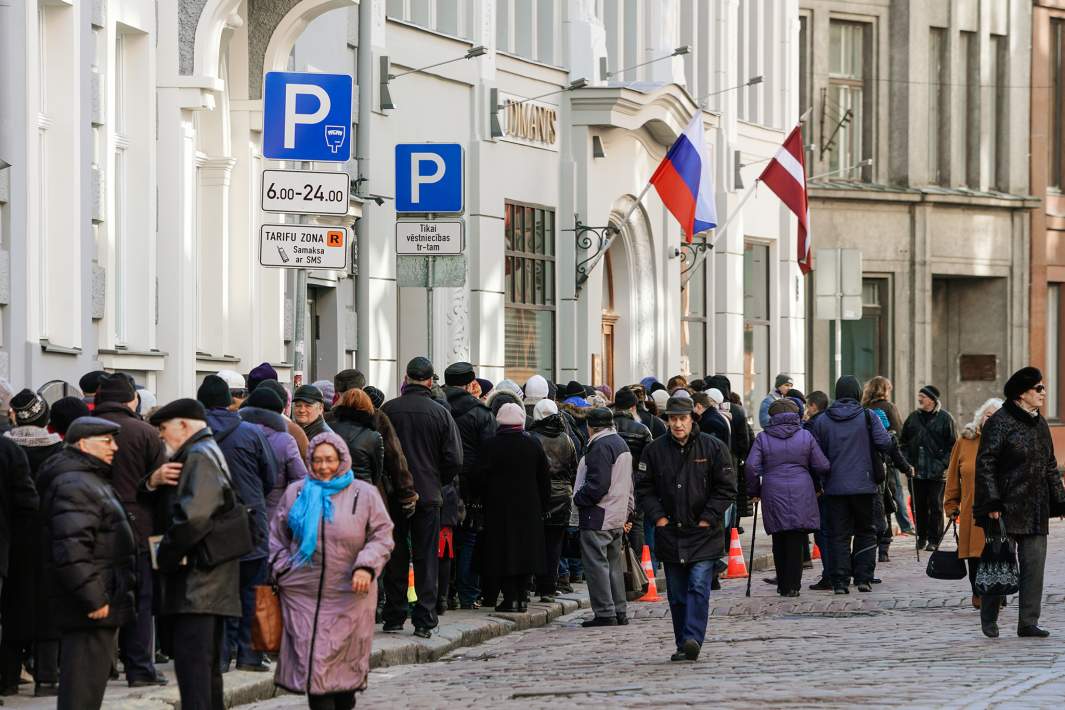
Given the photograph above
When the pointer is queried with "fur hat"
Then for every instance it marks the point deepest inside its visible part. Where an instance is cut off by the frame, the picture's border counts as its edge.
(459, 374)
(65, 411)
(624, 399)
(1019, 382)
(600, 418)
(115, 388)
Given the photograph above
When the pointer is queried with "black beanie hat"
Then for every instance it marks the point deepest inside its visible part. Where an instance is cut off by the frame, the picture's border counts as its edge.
(91, 380)
(181, 409)
(65, 411)
(932, 392)
(30, 409)
(115, 388)
(1019, 382)
(214, 393)
(624, 398)
(848, 387)
(265, 398)
(376, 396)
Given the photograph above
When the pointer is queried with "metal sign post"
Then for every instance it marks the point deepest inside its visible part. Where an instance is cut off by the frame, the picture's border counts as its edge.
(838, 293)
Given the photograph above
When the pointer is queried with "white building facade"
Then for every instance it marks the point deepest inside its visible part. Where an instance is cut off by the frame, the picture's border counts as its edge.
(130, 212)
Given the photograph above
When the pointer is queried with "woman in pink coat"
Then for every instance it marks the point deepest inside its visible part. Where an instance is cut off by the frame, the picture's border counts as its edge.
(329, 541)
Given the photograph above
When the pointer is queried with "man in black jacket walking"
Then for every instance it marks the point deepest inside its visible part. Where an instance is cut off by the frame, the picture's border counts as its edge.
(685, 484)
(90, 557)
(476, 425)
(140, 454)
(927, 439)
(433, 449)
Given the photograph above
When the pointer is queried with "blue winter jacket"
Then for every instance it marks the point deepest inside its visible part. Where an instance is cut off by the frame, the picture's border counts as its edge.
(843, 436)
(252, 466)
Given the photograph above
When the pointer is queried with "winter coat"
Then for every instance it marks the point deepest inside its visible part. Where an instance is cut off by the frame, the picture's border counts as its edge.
(1015, 468)
(452, 510)
(562, 466)
(576, 419)
(512, 479)
(635, 435)
(365, 443)
(476, 425)
(687, 483)
(328, 629)
(927, 439)
(430, 441)
(784, 470)
(316, 427)
(299, 435)
(763, 408)
(843, 434)
(603, 491)
(398, 489)
(291, 468)
(89, 547)
(960, 491)
(714, 423)
(656, 425)
(891, 412)
(140, 452)
(23, 611)
(252, 467)
(183, 516)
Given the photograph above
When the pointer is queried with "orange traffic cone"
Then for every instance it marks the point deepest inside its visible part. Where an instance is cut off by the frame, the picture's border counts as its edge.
(737, 568)
(412, 596)
(816, 554)
(649, 570)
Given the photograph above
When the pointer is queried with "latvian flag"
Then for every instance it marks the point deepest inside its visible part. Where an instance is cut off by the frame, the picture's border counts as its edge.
(786, 176)
(684, 182)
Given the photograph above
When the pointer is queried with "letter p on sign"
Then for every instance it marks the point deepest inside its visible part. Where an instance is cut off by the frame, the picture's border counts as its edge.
(307, 116)
(429, 178)
(417, 178)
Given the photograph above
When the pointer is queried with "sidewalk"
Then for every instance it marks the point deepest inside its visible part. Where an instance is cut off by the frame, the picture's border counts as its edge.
(457, 629)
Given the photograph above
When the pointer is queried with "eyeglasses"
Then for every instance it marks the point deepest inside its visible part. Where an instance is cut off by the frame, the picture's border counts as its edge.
(1040, 388)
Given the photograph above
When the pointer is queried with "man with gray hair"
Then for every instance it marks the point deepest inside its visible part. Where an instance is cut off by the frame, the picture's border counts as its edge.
(604, 500)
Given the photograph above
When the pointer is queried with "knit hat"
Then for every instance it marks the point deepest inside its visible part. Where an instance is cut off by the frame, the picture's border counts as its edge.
(90, 381)
(932, 392)
(682, 394)
(184, 408)
(624, 399)
(85, 427)
(715, 395)
(234, 379)
(348, 380)
(608, 394)
(544, 409)
(376, 396)
(486, 386)
(115, 388)
(660, 398)
(260, 373)
(782, 379)
(511, 414)
(265, 398)
(648, 382)
(1019, 382)
(146, 400)
(338, 443)
(64, 412)
(214, 393)
(459, 374)
(328, 392)
(536, 389)
(419, 369)
(600, 418)
(848, 387)
(30, 409)
(512, 387)
(6, 392)
(308, 393)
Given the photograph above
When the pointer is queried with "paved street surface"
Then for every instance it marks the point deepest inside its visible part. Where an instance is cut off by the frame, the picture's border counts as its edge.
(914, 642)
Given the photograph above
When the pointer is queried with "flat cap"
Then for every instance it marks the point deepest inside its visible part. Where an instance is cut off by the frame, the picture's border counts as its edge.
(600, 418)
(84, 427)
(459, 374)
(679, 405)
(420, 369)
(185, 408)
(308, 393)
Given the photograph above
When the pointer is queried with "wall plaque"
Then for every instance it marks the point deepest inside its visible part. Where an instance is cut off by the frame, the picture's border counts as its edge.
(978, 367)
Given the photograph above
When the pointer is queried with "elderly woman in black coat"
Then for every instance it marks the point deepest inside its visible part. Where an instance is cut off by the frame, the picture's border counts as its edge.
(513, 480)
(1018, 488)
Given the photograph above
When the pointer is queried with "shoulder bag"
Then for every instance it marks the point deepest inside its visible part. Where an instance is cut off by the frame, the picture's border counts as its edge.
(636, 582)
(267, 625)
(997, 573)
(231, 535)
(945, 564)
(879, 470)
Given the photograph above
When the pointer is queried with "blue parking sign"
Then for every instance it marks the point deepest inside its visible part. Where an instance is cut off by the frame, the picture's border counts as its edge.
(307, 116)
(429, 178)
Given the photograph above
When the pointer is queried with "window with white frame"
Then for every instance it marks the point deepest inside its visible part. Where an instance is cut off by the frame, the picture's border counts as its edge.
(528, 28)
(845, 121)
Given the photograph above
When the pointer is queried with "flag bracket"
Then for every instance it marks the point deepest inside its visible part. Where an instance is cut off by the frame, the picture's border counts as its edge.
(689, 255)
(594, 241)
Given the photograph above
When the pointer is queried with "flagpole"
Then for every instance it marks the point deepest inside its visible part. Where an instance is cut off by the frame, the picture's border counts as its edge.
(720, 231)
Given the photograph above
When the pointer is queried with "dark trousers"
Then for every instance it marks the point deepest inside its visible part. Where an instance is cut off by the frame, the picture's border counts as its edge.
(636, 535)
(546, 581)
(513, 587)
(467, 582)
(443, 579)
(823, 542)
(136, 640)
(1032, 559)
(787, 559)
(852, 536)
(85, 667)
(882, 522)
(928, 509)
(332, 701)
(424, 530)
(45, 661)
(196, 641)
(688, 589)
(973, 564)
(238, 631)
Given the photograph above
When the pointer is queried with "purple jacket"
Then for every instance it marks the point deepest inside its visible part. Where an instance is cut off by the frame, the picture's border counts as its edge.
(783, 469)
(359, 536)
(290, 464)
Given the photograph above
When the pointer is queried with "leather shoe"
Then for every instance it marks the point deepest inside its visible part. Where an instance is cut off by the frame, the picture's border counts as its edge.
(508, 607)
(990, 629)
(600, 621)
(865, 587)
(691, 649)
(769, 580)
(423, 632)
(46, 690)
(823, 585)
(159, 679)
(841, 590)
(392, 628)
(1033, 632)
(679, 656)
(623, 619)
(474, 605)
(253, 667)
(791, 593)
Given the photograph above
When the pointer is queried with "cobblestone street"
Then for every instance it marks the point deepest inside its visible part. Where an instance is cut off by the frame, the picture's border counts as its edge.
(913, 642)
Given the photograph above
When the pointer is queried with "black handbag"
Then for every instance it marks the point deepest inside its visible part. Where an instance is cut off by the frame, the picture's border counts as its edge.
(997, 573)
(945, 564)
(233, 530)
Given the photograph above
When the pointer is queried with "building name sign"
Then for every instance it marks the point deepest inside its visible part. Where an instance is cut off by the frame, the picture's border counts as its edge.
(531, 123)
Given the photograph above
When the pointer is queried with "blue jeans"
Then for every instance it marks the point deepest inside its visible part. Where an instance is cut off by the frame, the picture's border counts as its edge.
(688, 588)
(570, 567)
(649, 540)
(468, 582)
(821, 539)
(238, 631)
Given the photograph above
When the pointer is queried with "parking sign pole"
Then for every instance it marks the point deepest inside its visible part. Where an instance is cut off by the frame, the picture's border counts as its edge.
(429, 301)
(299, 319)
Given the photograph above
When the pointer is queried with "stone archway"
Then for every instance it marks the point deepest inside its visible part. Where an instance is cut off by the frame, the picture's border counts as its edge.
(634, 293)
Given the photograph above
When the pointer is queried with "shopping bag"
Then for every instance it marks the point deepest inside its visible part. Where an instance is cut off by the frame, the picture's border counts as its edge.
(997, 573)
(635, 578)
(944, 564)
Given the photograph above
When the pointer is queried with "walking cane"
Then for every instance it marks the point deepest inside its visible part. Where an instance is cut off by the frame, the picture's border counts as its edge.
(750, 562)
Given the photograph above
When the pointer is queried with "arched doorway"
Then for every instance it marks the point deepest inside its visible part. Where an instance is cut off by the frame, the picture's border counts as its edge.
(609, 323)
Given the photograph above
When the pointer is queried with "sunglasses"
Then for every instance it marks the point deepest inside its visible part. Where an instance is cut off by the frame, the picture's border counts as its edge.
(1040, 388)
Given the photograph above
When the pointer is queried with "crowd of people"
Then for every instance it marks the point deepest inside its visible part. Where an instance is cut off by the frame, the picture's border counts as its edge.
(139, 533)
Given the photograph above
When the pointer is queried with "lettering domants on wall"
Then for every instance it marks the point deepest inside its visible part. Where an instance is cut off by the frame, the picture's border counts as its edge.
(529, 122)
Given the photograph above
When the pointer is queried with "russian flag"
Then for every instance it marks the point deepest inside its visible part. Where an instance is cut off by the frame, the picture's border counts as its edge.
(684, 182)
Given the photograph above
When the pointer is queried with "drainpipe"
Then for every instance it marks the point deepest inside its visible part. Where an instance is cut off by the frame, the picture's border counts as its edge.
(364, 57)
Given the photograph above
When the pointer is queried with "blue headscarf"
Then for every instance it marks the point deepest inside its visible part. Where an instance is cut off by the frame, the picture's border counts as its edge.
(314, 501)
